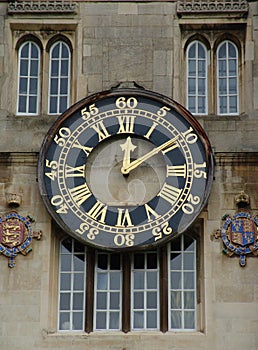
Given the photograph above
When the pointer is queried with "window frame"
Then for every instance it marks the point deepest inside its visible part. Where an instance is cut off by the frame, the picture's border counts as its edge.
(28, 78)
(197, 77)
(126, 326)
(227, 77)
(59, 76)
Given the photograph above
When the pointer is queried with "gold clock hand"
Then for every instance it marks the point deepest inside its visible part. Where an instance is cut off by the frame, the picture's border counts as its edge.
(134, 164)
(127, 147)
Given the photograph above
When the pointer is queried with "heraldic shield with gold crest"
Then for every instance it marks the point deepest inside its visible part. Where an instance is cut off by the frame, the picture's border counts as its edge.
(239, 233)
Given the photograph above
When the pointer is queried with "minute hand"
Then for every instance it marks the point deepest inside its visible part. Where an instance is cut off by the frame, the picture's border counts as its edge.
(134, 164)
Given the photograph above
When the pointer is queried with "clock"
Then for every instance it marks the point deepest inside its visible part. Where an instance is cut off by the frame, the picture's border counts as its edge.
(125, 169)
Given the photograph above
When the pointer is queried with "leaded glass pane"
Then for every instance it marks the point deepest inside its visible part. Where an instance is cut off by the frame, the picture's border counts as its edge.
(28, 79)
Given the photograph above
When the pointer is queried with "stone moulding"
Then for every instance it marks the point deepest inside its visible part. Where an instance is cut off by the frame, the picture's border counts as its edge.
(187, 7)
(39, 6)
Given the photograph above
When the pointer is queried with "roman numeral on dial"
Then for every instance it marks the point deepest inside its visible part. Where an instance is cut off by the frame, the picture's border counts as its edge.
(170, 193)
(126, 124)
(176, 170)
(101, 130)
(78, 171)
(98, 212)
(123, 218)
(80, 193)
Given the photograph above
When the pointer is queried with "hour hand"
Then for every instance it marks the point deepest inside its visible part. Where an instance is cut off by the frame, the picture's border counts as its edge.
(127, 147)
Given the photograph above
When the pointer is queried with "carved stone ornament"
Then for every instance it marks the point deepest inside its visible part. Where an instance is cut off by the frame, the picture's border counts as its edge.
(39, 6)
(239, 233)
(206, 6)
(16, 235)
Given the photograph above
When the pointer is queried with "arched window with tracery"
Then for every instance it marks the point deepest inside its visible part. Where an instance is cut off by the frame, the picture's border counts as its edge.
(196, 59)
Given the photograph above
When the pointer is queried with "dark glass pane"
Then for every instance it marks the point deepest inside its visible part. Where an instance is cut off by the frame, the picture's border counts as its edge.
(176, 300)
(138, 320)
(115, 262)
(54, 86)
(101, 320)
(114, 320)
(222, 51)
(151, 300)
(151, 319)
(191, 104)
(64, 321)
(64, 301)
(25, 51)
(55, 51)
(23, 85)
(63, 104)
(201, 104)
(54, 68)
(34, 68)
(32, 104)
(78, 281)
(33, 86)
(138, 300)
(77, 321)
(192, 51)
(223, 105)
(66, 262)
(66, 246)
(223, 68)
(115, 280)
(233, 104)
(65, 281)
(192, 86)
(103, 261)
(139, 261)
(24, 68)
(201, 51)
(188, 244)
(232, 67)
(201, 68)
(53, 105)
(189, 300)
(63, 86)
(78, 262)
(78, 247)
(176, 245)
(64, 68)
(176, 261)
(34, 51)
(152, 262)
(232, 85)
(176, 319)
(78, 301)
(22, 104)
(102, 281)
(189, 280)
(231, 51)
(189, 261)
(175, 278)
(189, 319)
(152, 280)
(101, 300)
(138, 280)
(114, 301)
(191, 67)
(223, 86)
(65, 51)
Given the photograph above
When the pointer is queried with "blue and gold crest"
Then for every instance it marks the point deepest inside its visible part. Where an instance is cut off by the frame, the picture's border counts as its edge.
(240, 235)
(16, 235)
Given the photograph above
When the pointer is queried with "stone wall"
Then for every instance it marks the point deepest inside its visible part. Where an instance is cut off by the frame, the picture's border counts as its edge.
(118, 43)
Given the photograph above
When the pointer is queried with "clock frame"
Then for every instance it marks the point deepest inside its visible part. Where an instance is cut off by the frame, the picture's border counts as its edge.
(128, 117)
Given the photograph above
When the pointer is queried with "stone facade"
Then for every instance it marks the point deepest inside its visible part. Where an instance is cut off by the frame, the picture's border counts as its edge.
(119, 42)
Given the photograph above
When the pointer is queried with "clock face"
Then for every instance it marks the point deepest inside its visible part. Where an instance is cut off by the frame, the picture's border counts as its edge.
(125, 169)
